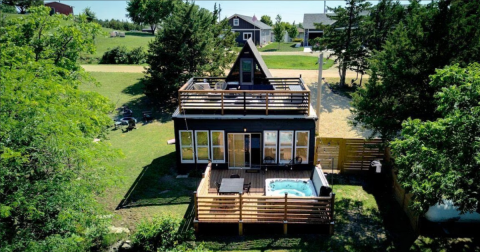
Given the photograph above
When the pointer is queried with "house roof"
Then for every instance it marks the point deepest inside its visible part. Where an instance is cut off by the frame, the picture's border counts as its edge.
(248, 19)
(57, 3)
(310, 19)
(249, 46)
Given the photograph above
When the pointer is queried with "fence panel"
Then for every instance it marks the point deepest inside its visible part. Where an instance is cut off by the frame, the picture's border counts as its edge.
(347, 154)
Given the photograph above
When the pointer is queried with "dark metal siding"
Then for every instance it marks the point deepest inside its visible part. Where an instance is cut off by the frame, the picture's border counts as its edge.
(237, 126)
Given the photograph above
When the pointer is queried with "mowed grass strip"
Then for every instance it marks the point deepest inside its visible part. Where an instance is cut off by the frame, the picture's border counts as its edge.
(295, 62)
(147, 184)
(284, 47)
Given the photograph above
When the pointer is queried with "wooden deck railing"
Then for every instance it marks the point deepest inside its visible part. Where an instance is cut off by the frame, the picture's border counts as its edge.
(280, 100)
(243, 208)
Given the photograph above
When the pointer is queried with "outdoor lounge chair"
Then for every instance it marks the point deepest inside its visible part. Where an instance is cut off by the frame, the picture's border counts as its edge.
(201, 86)
(246, 187)
(131, 124)
(221, 85)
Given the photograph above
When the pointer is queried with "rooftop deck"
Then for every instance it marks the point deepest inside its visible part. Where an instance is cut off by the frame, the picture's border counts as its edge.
(215, 96)
(254, 207)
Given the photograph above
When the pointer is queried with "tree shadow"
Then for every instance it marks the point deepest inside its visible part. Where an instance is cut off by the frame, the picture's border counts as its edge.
(330, 100)
(135, 89)
(139, 34)
(156, 185)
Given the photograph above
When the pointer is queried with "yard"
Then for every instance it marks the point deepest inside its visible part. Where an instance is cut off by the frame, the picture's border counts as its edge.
(366, 219)
(295, 62)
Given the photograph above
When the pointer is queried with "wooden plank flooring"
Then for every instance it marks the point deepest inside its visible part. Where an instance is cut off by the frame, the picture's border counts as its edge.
(257, 179)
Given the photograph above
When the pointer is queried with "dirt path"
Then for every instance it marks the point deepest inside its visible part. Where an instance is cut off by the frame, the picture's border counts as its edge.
(114, 68)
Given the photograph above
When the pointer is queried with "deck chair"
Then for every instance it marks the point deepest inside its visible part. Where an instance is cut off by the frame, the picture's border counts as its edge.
(295, 161)
(217, 186)
(234, 176)
(122, 34)
(131, 124)
(246, 187)
(113, 34)
(201, 86)
(221, 85)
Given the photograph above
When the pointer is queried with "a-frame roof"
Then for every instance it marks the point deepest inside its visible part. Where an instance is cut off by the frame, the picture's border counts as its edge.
(249, 46)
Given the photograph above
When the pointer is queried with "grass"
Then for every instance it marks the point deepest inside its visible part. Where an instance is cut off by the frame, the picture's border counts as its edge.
(148, 185)
(105, 42)
(295, 62)
(284, 47)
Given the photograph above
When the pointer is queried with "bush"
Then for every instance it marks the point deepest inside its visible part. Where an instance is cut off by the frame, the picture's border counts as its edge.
(160, 234)
(297, 40)
(8, 9)
(120, 55)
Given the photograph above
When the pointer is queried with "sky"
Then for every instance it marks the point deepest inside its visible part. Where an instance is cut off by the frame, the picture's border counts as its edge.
(289, 10)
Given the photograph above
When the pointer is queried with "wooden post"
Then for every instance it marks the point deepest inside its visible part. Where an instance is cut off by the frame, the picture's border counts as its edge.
(285, 227)
(266, 102)
(222, 102)
(240, 227)
(332, 212)
(179, 101)
(241, 203)
(285, 208)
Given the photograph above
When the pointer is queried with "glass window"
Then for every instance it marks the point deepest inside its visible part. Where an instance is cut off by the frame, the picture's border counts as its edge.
(186, 146)
(236, 22)
(247, 35)
(286, 146)
(302, 139)
(203, 152)
(270, 147)
(218, 146)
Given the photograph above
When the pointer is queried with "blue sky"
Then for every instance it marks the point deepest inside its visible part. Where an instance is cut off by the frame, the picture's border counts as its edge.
(289, 10)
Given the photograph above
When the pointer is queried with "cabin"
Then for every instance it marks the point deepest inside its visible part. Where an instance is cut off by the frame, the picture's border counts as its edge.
(60, 8)
(252, 135)
(250, 28)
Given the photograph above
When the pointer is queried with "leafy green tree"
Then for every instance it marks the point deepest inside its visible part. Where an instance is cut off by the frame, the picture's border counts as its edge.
(266, 20)
(292, 31)
(278, 30)
(439, 160)
(91, 16)
(23, 5)
(300, 25)
(51, 170)
(150, 12)
(430, 37)
(344, 38)
(4, 8)
(192, 43)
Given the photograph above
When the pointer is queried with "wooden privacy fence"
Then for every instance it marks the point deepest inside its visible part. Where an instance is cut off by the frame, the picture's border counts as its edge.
(347, 154)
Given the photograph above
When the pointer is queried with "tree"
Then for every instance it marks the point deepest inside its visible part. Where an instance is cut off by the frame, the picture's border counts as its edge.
(7, 8)
(278, 30)
(91, 16)
(23, 5)
(51, 170)
(192, 43)
(292, 31)
(430, 37)
(149, 12)
(439, 160)
(266, 20)
(344, 37)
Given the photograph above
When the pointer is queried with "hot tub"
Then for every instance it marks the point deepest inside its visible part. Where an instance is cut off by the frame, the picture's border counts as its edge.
(294, 187)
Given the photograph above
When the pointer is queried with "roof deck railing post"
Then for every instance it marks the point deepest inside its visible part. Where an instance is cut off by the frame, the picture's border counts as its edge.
(245, 103)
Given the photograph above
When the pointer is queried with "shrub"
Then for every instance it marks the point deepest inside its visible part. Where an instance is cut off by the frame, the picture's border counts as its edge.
(120, 55)
(160, 234)
(8, 9)
(297, 40)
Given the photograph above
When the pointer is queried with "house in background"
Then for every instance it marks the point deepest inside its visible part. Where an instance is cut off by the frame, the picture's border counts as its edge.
(309, 21)
(60, 8)
(249, 27)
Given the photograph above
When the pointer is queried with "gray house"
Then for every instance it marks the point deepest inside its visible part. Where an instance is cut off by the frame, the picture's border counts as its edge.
(259, 32)
(309, 21)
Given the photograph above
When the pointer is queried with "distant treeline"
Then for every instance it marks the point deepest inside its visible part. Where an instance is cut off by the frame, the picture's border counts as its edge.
(119, 25)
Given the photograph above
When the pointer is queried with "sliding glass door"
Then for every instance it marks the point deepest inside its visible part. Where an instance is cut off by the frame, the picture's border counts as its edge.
(239, 150)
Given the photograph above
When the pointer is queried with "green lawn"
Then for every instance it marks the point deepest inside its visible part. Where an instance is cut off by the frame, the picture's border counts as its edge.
(284, 47)
(295, 62)
(105, 42)
(147, 180)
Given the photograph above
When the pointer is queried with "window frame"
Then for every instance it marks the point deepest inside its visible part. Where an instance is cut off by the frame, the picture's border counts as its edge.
(213, 146)
(236, 22)
(286, 147)
(202, 146)
(265, 145)
(307, 147)
(251, 35)
(182, 146)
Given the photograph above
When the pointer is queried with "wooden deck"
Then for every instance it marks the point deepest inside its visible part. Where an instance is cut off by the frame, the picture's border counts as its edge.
(257, 208)
(257, 179)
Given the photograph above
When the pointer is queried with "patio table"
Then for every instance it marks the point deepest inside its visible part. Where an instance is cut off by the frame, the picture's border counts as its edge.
(231, 185)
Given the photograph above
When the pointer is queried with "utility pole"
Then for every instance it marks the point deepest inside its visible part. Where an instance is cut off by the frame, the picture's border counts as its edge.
(319, 90)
